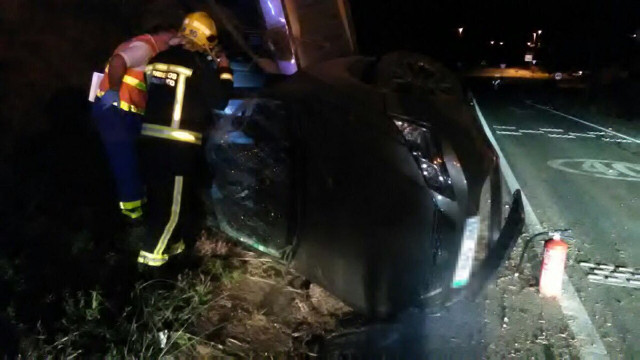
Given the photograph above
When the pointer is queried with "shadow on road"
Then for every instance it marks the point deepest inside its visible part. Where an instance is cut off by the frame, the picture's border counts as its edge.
(459, 331)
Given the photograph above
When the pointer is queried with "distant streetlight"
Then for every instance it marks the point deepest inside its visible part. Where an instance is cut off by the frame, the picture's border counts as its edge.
(492, 42)
(460, 30)
(539, 32)
(501, 43)
(529, 43)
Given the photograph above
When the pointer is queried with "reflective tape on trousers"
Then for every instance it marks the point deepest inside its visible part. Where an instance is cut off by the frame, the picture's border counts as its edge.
(173, 219)
(152, 259)
(128, 205)
(134, 214)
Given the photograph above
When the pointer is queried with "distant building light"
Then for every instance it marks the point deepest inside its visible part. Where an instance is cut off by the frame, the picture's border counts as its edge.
(491, 42)
(501, 42)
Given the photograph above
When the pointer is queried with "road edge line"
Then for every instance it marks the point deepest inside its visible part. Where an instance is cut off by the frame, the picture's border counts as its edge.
(588, 340)
(584, 122)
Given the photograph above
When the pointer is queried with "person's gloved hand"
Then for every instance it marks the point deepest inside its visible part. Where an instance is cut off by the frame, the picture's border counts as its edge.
(111, 97)
(222, 59)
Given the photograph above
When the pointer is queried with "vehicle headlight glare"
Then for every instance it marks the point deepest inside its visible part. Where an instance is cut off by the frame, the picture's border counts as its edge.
(425, 152)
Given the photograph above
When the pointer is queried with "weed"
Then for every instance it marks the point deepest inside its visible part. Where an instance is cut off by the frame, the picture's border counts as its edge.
(237, 303)
(154, 324)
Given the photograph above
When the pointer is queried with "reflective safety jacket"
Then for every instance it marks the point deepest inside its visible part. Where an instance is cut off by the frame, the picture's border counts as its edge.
(184, 89)
(133, 92)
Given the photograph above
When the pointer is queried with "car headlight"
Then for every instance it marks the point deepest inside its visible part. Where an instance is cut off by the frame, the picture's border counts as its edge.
(428, 156)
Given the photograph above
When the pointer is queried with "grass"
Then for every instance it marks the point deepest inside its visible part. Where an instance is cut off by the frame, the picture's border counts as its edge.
(236, 303)
(154, 323)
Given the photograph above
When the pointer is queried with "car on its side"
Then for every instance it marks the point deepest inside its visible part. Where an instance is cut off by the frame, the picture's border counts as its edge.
(372, 177)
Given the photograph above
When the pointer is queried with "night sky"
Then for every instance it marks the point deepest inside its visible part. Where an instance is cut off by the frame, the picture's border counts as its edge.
(574, 33)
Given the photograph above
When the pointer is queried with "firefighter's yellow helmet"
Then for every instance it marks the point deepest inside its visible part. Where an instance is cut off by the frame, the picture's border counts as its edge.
(200, 31)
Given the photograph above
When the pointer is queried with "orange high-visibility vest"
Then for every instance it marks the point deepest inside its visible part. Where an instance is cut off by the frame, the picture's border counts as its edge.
(133, 92)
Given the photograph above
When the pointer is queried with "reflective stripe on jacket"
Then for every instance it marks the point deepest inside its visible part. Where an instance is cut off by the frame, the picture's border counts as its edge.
(133, 92)
(184, 87)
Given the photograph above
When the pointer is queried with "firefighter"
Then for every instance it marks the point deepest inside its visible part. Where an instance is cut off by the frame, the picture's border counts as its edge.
(120, 106)
(185, 86)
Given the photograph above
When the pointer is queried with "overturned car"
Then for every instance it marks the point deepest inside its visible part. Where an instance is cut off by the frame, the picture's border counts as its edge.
(370, 176)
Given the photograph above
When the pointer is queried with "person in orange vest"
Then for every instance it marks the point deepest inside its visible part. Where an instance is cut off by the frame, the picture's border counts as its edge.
(119, 108)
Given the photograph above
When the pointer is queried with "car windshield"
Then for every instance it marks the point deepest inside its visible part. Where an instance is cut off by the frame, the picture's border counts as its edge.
(320, 178)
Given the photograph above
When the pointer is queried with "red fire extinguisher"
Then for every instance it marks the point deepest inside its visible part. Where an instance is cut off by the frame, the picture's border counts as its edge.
(552, 272)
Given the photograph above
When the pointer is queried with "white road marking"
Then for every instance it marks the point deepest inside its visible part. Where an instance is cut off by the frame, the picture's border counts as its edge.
(581, 134)
(587, 123)
(561, 136)
(552, 132)
(508, 133)
(617, 140)
(621, 278)
(601, 168)
(587, 339)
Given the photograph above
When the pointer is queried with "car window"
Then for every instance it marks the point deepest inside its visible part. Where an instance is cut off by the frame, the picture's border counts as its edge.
(249, 150)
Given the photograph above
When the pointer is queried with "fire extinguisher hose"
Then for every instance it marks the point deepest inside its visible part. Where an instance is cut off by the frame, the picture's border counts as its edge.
(563, 233)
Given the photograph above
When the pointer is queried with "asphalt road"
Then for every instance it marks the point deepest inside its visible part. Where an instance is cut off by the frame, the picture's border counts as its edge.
(582, 178)
(458, 331)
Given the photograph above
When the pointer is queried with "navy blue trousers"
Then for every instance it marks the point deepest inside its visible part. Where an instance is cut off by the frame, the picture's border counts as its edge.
(120, 133)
